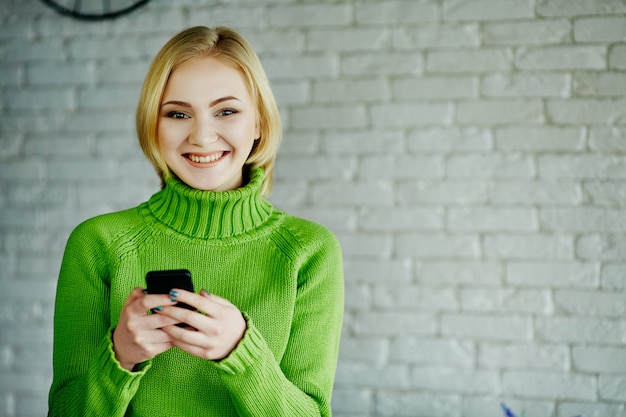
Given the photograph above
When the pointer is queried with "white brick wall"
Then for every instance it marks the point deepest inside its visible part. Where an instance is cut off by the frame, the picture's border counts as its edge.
(469, 154)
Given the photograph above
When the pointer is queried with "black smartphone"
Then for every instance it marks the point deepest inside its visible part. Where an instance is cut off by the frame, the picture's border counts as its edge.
(162, 282)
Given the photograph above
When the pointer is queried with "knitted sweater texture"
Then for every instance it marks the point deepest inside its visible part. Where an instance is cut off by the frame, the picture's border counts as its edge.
(284, 273)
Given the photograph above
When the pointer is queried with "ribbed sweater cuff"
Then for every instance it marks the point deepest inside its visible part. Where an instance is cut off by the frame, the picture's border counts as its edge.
(249, 350)
(113, 373)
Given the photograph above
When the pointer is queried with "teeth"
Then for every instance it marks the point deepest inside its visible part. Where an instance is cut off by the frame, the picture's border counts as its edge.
(203, 159)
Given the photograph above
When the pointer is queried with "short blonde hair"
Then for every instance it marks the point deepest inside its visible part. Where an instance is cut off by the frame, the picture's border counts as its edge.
(232, 49)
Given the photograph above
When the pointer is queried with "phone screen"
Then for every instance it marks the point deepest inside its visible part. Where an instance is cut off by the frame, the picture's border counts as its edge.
(161, 282)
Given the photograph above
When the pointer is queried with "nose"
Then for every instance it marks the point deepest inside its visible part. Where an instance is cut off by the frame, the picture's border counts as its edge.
(203, 131)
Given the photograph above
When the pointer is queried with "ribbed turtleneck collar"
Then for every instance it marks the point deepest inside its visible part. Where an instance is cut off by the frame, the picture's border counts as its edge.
(211, 215)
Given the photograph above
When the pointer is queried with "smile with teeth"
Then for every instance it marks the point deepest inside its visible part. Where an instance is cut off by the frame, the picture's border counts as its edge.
(203, 159)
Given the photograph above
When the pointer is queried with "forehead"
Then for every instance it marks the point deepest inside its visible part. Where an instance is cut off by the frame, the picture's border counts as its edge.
(209, 77)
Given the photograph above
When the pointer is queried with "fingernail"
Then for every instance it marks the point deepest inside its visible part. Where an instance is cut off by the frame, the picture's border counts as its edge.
(173, 294)
(159, 308)
(144, 291)
(205, 292)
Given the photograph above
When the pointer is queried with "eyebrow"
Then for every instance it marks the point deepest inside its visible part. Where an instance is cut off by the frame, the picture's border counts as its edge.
(211, 104)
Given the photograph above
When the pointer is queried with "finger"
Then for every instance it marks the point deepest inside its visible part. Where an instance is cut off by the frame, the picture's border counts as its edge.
(135, 294)
(153, 301)
(216, 298)
(210, 304)
(182, 315)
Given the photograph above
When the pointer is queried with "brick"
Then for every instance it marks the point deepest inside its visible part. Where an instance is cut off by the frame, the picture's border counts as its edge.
(365, 142)
(506, 300)
(401, 167)
(346, 91)
(614, 276)
(553, 274)
(591, 303)
(446, 139)
(445, 352)
(164, 20)
(289, 92)
(99, 121)
(476, 406)
(377, 271)
(58, 144)
(527, 32)
(561, 58)
(113, 47)
(40, 99)
(453, 192)
(396, 12)
(411, 404)
(60, 74)
(435, 87)
(500, 111)
(352, 402)
(600, 29)
(368, 245)
(300, 143)
(310, 15)
(607, 139)
(459, 273)
(613, 388)
(605, 193)
(348, 40)
(411, 115)
(415, 298)
(592, 409)
(392, 323)
(401, 219)
(617, 57)
(583, 219)
(599, 84)
(369, 350)
(433, 246)
(527, 193)
(591, 111)
(111, 97)
(330, 116)
(599, 359)
(579, 7)
(540, 138)
(492, 219)
(581, 330)
(524, 356)
(311, 66)
(27, 169)
(267, 43)
(28, 50)
(455, 380)
(550, 385)
(526, 85)
(483, 327)
(437, 36)
(316, 168)
(523, 246)
(388, 376)
(12, 74)
(382, 63)
(357, 194)
(469, 61)
(597, 166)
(240, 16)
(456, 10)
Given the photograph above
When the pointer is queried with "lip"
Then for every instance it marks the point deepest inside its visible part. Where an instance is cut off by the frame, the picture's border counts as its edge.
(204, 160)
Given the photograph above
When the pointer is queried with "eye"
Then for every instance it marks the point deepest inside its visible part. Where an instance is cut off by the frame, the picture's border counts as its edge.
(177, 115)
(226, 112)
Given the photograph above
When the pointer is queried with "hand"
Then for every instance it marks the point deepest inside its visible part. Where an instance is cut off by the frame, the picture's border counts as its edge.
(138, 335)
(213, 334)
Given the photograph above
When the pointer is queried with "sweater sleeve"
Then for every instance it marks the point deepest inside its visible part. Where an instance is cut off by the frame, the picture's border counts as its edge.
(301, 384)
(87, 380)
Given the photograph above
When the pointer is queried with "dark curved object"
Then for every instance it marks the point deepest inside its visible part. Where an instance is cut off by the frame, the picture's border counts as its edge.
(76, 13)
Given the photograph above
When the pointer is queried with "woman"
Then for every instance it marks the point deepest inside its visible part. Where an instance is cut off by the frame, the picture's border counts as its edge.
(263, 338)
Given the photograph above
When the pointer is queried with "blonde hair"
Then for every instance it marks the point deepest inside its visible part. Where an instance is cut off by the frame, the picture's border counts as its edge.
(232, 49)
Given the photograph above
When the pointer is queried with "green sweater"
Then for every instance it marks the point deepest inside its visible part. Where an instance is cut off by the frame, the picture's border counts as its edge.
(284, 273)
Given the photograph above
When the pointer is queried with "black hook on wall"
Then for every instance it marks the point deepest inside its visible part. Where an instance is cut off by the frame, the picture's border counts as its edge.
(104, 10)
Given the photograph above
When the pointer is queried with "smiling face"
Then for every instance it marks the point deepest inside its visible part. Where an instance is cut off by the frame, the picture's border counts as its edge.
(207, 124)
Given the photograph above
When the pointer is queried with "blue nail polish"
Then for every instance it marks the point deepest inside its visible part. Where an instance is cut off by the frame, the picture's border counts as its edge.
(159, 308)
(173, 294)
